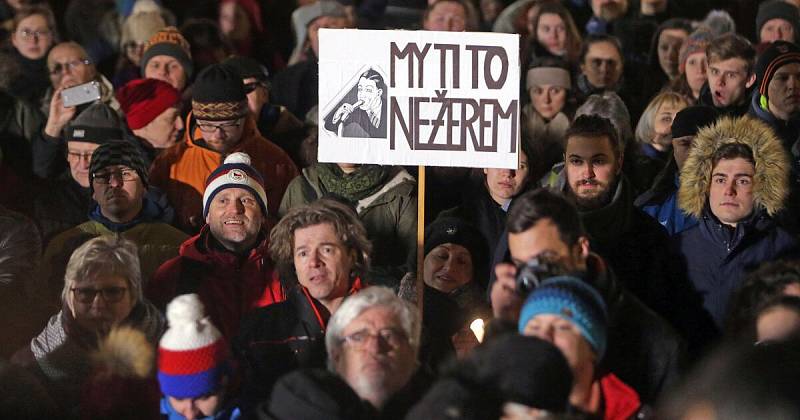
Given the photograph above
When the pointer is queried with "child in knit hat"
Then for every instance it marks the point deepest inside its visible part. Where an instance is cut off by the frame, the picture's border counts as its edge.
(193, 366)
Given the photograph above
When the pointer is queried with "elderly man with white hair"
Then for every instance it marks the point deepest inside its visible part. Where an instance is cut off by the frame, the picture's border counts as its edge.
(372, 342)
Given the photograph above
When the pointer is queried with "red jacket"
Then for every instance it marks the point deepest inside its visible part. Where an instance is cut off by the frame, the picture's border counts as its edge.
(228, 285)
(621, 401)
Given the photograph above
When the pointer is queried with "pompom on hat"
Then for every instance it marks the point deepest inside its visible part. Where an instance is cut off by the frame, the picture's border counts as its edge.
(235, 172)
(192, 355)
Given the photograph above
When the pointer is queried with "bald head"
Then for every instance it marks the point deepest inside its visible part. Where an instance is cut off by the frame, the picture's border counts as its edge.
(69, 65)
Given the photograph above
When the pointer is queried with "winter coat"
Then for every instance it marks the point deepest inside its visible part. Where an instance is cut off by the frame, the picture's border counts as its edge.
(20, 251)
(157, 242)
(661, 201)
(731, 110)
(277, 339)
(32, 80)
(296, 87)
(546, 139)
(715, 256)
(19, 124)
(60, 354)
(63, 205)
(181, 171)
(634, 244)
(389, 215)
(229, 285)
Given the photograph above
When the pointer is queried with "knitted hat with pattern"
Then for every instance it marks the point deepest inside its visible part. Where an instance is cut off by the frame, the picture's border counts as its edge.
(235, 172)
(117, 153)
(218, 94)
(170, 42)
(573, 300)
(192, 354)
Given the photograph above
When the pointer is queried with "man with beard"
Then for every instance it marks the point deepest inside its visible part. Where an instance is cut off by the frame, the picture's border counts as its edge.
(118, 183)
(227, 263)
(634, 244)
(730, 75)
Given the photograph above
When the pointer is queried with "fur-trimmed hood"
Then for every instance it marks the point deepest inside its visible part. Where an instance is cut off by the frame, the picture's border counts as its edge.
(771, 181)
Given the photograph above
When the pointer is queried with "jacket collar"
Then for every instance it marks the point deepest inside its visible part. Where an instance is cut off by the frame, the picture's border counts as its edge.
(732, 110)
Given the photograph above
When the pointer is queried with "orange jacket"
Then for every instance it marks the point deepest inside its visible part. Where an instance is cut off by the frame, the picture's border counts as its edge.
(181, 171)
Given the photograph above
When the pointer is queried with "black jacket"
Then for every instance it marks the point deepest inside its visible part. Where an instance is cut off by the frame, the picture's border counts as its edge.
(296, 87)
(277, 339)
(63, 205)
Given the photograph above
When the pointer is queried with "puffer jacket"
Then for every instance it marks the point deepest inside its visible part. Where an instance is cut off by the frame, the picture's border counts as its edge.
(277, 339)
(229, 285)
(661, 201)
(181, 171)
(389, 215)
(716, 256)
(157, 243)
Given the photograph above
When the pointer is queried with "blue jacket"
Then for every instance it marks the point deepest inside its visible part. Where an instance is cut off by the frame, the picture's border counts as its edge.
(716, 257)
(661, 201)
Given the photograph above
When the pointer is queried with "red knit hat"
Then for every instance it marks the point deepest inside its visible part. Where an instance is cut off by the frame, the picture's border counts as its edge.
(142, 100)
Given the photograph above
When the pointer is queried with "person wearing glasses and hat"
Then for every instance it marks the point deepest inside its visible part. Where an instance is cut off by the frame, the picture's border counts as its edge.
(118, 182)
(219, 124)
(101, 288)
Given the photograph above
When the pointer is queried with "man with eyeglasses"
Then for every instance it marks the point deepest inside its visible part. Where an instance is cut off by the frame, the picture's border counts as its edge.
(275, 122)
(118, 183)
(68, 198)
(372, 343)
(69, 65)
(219, 124)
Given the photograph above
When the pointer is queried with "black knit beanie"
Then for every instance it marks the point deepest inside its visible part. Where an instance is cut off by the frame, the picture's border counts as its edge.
(98, 123)
(777, 9)
(456, 231)
(689, 121)
(218, 94)
(117, 153)
(778, 54)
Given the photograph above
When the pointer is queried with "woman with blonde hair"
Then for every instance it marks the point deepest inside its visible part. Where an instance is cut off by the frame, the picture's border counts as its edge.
(654, 130)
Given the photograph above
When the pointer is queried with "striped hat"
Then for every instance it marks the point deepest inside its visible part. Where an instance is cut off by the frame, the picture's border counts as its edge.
(572, 299)
(777, 55)
(235, 172)
(118, 152)
(192, 355)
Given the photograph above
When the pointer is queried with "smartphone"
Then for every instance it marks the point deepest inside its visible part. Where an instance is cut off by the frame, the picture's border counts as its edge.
(81, 94)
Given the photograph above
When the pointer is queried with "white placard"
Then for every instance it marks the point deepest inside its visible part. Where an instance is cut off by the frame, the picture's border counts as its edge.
(419, 98)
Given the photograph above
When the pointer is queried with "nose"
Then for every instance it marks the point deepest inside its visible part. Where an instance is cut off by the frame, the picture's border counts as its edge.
(547, 98)
(589, 173)
(178, 123)
(314, 260)
(115, 180)
(730, 189)
(235, 207)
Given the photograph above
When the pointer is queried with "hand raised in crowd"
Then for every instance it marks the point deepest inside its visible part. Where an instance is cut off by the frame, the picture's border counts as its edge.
(59, 115)
(506, 302)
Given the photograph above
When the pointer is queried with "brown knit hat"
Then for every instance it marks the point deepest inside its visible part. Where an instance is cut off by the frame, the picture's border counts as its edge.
(218, 94)
(697, 42)
(169, 41)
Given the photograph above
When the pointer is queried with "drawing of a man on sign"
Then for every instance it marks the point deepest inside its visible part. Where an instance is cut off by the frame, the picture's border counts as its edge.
(362, 111)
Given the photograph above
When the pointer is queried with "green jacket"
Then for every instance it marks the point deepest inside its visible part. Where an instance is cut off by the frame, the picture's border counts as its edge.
(157, 242)
(389, 215)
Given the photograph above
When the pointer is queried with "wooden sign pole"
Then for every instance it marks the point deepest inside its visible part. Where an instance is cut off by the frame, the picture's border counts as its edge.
(420, 236)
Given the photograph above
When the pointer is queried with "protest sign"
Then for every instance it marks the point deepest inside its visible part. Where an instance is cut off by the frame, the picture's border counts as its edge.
(419, 98)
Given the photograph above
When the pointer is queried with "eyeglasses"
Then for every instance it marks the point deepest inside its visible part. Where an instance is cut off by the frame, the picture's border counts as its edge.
(391, 336)
(126, 175)
(77, 156)
(250, 87)
(68, 66)
(87, 295)
(28, 34)
(212, 128)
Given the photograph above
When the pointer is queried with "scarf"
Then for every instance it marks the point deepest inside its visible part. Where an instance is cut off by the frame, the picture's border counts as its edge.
(363, 182)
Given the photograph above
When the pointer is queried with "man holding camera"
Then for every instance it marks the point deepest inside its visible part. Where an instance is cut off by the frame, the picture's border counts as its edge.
(643, 349)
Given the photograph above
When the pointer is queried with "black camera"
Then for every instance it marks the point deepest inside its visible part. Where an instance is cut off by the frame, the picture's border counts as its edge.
(532, 273)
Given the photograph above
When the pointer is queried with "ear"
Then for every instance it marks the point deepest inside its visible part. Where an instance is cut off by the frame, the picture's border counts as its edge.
(751, 80)
(583, 243)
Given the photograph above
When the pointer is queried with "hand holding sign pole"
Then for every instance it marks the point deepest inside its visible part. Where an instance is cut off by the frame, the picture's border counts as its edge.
(419, 98)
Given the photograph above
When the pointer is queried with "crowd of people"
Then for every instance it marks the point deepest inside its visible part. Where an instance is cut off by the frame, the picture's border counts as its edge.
(170, 247)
